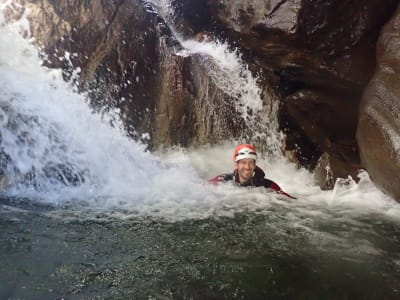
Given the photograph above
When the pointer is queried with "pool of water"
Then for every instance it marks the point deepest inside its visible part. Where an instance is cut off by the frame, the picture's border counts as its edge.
(138, 225)
(282, 253)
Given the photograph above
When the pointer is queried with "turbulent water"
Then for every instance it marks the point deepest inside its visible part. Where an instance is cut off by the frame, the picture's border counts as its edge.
(87, 213)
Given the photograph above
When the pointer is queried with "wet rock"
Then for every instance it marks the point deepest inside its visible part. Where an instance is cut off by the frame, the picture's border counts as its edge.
(4, 161)
(324, 55)
(192, 17)
(326, 120)
(379, 124)
(315, 42)
(130, 62)
(192, 110)
(330, 168)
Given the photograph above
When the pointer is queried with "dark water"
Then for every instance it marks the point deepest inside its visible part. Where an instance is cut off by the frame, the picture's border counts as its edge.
(47, 254)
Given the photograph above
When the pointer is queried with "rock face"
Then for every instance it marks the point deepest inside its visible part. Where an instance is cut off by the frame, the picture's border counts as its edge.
(378, 131)
(130, 61)
(324, 54)
(329, 168)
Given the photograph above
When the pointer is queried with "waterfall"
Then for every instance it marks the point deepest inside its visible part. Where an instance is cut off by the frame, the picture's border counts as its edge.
(55, 150)
(231, 74)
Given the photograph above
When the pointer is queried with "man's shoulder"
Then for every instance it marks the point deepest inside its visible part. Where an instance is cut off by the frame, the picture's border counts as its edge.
(259, 173)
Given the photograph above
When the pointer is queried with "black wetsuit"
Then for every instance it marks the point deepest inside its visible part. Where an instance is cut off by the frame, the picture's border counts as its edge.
(256, 180)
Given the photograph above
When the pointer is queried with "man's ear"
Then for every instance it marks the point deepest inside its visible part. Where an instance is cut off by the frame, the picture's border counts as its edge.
(236, 165)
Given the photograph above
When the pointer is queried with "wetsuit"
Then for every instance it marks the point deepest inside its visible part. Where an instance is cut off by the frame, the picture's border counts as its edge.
(257, 180)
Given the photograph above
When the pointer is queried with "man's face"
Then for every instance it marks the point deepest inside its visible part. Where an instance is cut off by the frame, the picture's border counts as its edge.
(245, 167)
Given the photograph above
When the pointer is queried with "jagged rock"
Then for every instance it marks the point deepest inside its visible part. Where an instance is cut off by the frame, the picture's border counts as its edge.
(4, 160)
(191, 17)
(378, 131)
(190, 111)
(129, 60)
(326, 120)
(330, 168)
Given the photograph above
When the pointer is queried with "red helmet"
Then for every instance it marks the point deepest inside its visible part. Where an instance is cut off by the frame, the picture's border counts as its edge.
(244, 151)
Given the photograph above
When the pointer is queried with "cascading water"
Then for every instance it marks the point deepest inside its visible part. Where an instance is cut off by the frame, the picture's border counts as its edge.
(56, 151)
(233, 77)
(119, 222)
(54, 147)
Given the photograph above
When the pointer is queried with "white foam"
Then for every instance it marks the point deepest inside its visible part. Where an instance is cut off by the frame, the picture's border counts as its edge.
(351, 199)
(55, 125)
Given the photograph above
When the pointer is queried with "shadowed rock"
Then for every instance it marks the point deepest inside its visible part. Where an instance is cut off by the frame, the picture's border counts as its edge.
(323, 53)
(329, 168)
(378, 131)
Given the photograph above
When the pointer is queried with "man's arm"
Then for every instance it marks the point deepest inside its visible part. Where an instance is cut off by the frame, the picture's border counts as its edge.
(272, 185)
(221, 178)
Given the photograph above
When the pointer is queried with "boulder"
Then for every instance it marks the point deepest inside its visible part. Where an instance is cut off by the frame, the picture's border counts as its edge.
(378, 132)
(330, 168)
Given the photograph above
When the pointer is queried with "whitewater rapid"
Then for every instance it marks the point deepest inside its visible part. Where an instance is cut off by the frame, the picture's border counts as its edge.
(45, 124)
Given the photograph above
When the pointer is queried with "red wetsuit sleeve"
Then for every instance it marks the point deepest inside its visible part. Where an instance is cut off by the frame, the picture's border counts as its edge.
(216, 180)
(221, 178)
(278, 189)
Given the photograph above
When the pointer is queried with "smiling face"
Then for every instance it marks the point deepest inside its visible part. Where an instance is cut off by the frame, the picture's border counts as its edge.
(245, 169)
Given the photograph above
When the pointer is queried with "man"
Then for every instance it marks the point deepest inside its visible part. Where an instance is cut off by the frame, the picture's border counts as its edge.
(246, 172)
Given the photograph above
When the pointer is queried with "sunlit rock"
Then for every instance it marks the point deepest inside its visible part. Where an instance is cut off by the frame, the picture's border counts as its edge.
(128, 61)
(378, 131)
(189, 110)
